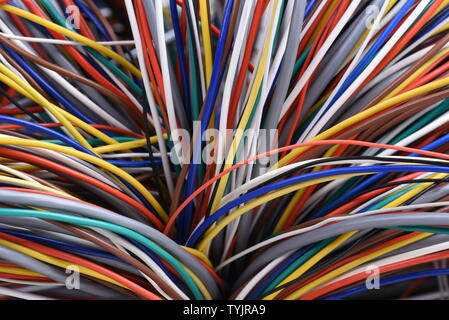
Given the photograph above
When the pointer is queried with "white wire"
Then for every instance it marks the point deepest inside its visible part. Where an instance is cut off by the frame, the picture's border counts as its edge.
(32, 283)
(441, 121)
(316, 126)
(123, 244)
(67, 86)
(322, 224)
(319, 56)
(260, 275)
(164, 63)
(64, 42)
(394, 259)
(152, 103)
(21, 295)
(230, 78)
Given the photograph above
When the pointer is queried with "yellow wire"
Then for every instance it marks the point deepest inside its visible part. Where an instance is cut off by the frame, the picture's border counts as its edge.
(397, 202)
(56, 262)
(415, 75)
(312, 261)
(299, 194)
(288, 210)
(73, 35)
(15, 82)
(20, 272)
(362, 39)
(324, 20)
(199, 283)
(205, 31)
(26, 90)
(365, 114)
(353, 264)
(94, 160)
(125, 145)
(214, 230)
(334, 130)
(248, 111)
(33, 185)
(200, 255)
(413, 192)
(386, 102)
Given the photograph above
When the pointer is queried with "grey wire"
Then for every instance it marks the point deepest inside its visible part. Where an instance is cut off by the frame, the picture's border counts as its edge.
(77, 208)
(286, 72)
(22, 295)
(31, 223)
(337, 55)
(53, 273)
(370, 222)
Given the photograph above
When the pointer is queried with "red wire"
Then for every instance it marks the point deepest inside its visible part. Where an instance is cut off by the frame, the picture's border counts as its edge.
(336, 14)
(80, 59)
(23, 277)
(57, 125)
(359, 200)
(347, 260)
(404, 40)
(84, 263)
(388, 268)
(287, 148)
(413, 287)
(84, 27)
(236, 92)
(17, 111)
(55, 167)
(312, 29)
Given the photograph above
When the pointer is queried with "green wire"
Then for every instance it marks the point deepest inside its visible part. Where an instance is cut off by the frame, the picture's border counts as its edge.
(119, 73)
(423, 121)
(88, 222)
(94, 142)
(391, 198)
(297, 263)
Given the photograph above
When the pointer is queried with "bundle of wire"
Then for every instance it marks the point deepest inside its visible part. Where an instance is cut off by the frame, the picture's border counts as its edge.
(98, 201)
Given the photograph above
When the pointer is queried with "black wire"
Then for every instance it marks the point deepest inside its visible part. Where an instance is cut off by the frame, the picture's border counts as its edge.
(329, 161)
(317, 268)
(156, 170)
(398, 183)
(349, 158)
(17, 104)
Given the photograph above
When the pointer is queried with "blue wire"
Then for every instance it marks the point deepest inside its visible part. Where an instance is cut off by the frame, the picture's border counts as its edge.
(97, 67)
(261, 286)
(135, 164)
(390, 280)
(156, 260)
(49, 89)
(181, 59)
(309, 8)
(72, 248)
(354, 191)
(211, 97)
(46, 131)
(93, 18)
(373, 180)
(436, 144)
(373, 51)
(443, 16)
(298, 179)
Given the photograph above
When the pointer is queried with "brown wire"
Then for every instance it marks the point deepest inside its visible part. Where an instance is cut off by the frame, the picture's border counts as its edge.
(89, 236)
(29, 56)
